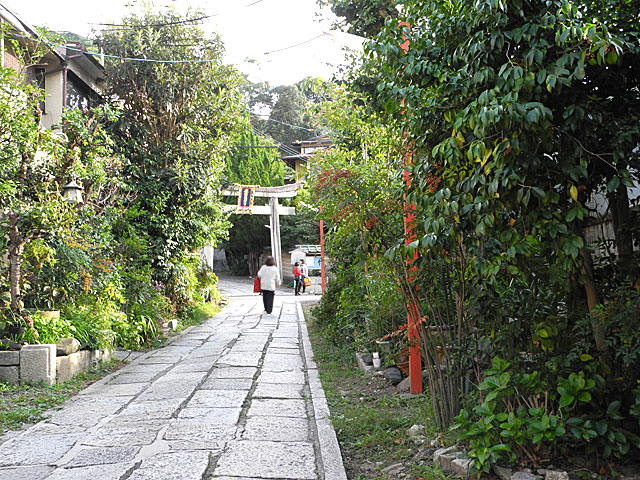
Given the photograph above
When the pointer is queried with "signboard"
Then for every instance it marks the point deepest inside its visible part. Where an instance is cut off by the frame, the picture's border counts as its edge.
(245, 197)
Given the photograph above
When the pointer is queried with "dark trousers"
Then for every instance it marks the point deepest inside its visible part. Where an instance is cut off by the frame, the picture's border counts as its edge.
(296, 284)
(304, 287)
(267, 299)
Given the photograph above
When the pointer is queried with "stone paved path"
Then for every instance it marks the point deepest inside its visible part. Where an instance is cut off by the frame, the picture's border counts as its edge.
(236, 398)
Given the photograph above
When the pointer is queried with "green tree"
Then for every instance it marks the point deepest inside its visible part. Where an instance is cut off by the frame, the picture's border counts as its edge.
(252, 161)
(522, 121)
(34, 166)
(365, 18)
(287, 120)
(176, 124)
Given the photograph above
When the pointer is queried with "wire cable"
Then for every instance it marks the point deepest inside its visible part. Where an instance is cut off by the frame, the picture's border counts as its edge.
(323, 34)
(116, 57)
(284, 147)
(282, 123)
(125, 26)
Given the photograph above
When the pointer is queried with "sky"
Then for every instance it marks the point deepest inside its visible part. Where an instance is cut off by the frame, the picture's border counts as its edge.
(279, 41)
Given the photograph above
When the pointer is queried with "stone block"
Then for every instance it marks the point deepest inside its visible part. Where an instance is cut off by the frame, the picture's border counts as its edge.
(70, 365)
(444, 457)
(556, 475)
(10, 374)
(67, 346)
(525, 476)
(503, 473)
(11, 358)
(38, 364)
(462, 466)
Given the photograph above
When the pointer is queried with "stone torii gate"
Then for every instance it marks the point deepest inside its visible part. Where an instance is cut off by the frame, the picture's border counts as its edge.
(274, 210)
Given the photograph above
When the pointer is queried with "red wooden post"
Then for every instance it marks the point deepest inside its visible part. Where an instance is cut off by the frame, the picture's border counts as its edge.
(413, 315)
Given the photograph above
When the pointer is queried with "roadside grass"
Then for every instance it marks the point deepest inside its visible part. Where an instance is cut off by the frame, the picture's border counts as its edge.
(371, 419)
(24, 404)
(197, 314)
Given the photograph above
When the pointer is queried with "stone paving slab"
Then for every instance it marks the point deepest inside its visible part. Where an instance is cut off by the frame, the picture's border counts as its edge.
(36, 449)
(277, 429)
(228, 384)
(119, 433)
(188, 465)
(236, 398)
(136, 377)
(233, 372)
(282, 460)
(168, 390)
(122, 390)
(242, 359)
(189, 429)
(217, 399)
(218, 416)
(24, 473)
(276, 407)
(282, 377)
(171, 376)
(101, 472)
(103, 455)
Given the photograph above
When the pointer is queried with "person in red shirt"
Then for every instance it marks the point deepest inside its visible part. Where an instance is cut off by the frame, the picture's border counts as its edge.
(297, 278)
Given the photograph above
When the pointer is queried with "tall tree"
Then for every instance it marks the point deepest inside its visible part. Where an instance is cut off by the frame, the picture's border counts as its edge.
(179, 107)
(287, 119)
(35, 164)
(365, 18)
(252, 161)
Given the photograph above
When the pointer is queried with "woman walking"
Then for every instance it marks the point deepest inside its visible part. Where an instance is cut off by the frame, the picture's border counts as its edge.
(304, 274)
(269, 276)
(297, 274)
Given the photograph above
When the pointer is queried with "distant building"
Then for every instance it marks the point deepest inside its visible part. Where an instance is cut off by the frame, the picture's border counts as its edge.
(69, 77)
(306, 149)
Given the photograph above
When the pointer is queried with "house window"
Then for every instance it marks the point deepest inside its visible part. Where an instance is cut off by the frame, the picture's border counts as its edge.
(40, 83)
(79, 96)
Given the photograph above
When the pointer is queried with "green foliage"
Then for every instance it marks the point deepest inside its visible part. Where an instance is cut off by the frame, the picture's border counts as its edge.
(174, 129)
(517, 415)
(252, 161)
(363, 18)
(288, 119)
(48, 329)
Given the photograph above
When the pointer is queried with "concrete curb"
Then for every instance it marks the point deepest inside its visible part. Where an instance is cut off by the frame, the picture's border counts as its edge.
(330, 454)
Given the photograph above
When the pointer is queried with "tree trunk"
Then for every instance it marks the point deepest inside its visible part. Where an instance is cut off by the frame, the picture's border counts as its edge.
(16, 245)
(620, 215)
(592, 300)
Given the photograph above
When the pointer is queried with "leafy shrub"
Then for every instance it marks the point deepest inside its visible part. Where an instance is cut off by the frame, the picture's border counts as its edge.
(92, 323)
(518, 416)
(49, 329)
(182, 284)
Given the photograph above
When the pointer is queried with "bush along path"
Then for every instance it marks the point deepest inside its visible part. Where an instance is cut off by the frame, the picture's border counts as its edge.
(238, 396)
(383, 434)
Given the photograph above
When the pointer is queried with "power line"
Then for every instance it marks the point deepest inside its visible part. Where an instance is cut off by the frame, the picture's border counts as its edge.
(285, 148)
(283, 123)
(323, 34)
(116, 57)
(125, 26)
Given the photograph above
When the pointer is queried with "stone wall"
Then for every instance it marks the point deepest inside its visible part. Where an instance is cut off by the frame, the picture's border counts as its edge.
(38, 363)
